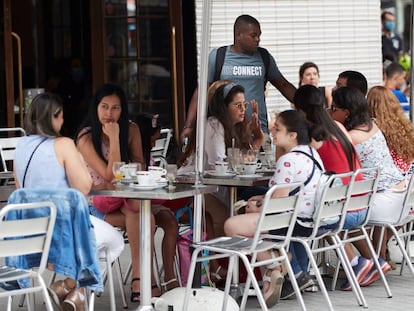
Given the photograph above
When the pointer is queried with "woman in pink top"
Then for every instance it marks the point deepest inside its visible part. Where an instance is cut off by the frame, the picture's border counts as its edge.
(107, 136)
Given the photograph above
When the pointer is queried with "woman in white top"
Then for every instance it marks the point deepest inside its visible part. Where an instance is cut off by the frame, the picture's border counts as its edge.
(290, 131)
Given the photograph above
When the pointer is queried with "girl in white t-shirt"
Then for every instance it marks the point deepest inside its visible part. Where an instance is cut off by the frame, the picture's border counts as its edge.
(291, 132)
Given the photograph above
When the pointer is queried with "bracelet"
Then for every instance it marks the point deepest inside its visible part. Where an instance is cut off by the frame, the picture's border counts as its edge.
(187, 127)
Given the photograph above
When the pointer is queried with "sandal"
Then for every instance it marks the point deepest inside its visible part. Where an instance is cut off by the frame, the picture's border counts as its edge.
(155, 286)
(275, 280)
(172, 282)
(135, 295)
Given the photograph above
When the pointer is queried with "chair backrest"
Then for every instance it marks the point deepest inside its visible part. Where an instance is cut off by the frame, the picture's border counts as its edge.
(21, 233)
(408, 205)
(278, 213)
(362, 192)
(8, 140)
(161, 145)
(5, 192)
(333, 202)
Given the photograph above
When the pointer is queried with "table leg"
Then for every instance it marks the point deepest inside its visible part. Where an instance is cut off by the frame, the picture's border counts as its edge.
(145, 256)
(235, 290)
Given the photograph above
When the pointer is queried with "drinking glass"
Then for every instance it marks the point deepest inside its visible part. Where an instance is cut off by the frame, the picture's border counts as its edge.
(132, 169)
(237, 163)
(171, 174)
(117, 170)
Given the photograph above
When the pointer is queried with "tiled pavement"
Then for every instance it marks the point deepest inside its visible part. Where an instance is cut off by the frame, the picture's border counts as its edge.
(402, 288)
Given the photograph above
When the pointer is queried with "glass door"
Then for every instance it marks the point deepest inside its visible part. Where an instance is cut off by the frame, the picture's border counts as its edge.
(137, 54)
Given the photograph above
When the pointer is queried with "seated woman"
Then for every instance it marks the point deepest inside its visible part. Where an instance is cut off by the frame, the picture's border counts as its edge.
(44, 147)
(292, 132)
(338, 155)
(398, 131)
(150, 129)
(107, 136)
(350, 108)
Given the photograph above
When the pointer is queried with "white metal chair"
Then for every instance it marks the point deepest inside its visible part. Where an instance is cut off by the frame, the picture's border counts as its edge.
(405, 219)
(109, 280)
(26, 236)
(362, 195)
(276, 213)
(333, 205)
(159, 151)
(8, 141)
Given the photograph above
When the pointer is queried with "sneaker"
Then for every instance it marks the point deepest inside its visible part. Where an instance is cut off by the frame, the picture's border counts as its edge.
(75, 301)
(304, 281)
(373, 274)
(361, 269)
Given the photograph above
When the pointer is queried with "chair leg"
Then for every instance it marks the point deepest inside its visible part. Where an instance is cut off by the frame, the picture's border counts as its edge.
(91, 302)
(177, 267)
(318, 276)
(110, 281)
(117, 265)
(252, 279)
(9, 303)
(349, 272)
(190, 278)
(127, 273)
(402, 249)
(377, 265)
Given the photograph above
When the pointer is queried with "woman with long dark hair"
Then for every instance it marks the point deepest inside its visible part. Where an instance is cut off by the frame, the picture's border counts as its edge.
(108, 136)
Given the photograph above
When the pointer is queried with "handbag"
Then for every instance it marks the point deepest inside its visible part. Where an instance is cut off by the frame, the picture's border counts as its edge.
(184, 242)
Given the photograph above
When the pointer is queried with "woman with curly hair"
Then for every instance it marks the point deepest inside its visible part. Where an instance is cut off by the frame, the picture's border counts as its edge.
(385, 108)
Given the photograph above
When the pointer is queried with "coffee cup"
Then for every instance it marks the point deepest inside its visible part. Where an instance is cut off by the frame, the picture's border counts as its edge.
(249, 168)
(157, 172)
(221, 167)
(129, 170)
(145, 178)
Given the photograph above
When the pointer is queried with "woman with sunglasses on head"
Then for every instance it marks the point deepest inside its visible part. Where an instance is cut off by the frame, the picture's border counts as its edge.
(227, 123)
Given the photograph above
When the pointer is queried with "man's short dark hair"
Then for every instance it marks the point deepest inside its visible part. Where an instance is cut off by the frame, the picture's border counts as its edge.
(244, 20)
(392, 69)
(384, 14)
(356, 80)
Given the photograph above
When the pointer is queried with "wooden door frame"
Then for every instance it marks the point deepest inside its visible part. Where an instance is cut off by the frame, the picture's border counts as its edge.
(8, 63)
(98, 57)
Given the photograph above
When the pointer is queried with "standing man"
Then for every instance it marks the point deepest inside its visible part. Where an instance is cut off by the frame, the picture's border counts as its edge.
(245, 64)
(392, 44)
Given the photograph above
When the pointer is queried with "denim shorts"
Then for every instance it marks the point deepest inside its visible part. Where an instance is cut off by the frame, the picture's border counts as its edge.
(352, 220)
(94, 212)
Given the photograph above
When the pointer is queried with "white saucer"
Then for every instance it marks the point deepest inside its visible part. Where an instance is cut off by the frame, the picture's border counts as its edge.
(215, 174)
(147, 187)
(250, 176)
(127, 180)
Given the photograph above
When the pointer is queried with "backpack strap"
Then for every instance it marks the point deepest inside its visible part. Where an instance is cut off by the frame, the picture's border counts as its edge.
(294, 191)
(266, 62)
(310, 156)
(221, 53)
